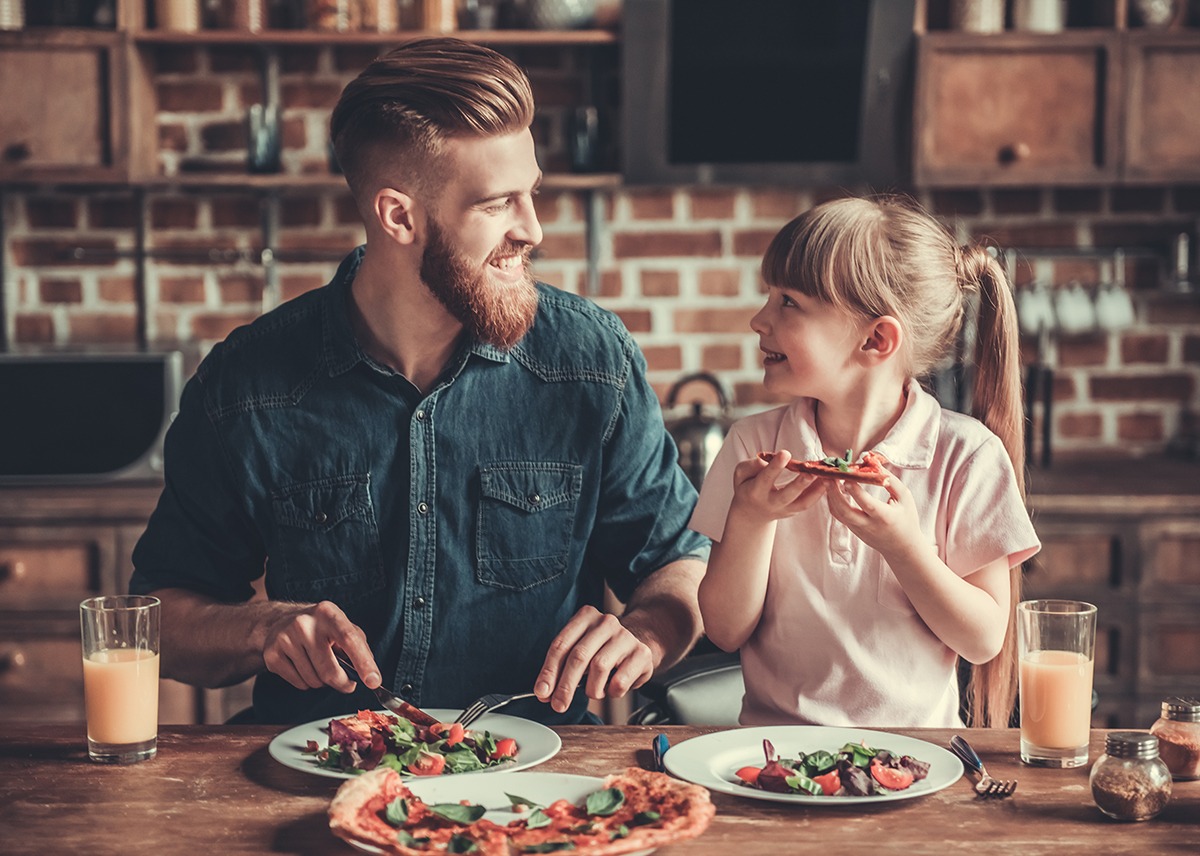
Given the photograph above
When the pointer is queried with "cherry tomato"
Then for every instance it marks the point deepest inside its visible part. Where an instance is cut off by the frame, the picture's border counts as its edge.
(505, 748)
(891, 778)
(830, 782)
(427, 764)
(749, 775)
(456, 734)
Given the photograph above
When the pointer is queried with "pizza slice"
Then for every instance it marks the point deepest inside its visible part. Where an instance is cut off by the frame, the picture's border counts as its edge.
(868, 471)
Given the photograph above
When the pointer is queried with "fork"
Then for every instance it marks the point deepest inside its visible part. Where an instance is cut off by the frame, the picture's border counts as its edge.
(392, 702)
(986, 786)
(486, 704)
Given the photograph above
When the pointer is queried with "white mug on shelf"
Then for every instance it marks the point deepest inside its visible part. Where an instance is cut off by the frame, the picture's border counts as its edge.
(1114, 307)
(1074, 310)
(977, 16)
(1039, 16)
(1035, 309)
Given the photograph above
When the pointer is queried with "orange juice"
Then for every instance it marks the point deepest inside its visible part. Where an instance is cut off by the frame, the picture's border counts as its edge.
(1056, 699)
(120, 688)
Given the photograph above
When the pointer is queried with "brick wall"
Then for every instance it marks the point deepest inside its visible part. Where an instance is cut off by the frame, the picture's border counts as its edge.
(680, 266)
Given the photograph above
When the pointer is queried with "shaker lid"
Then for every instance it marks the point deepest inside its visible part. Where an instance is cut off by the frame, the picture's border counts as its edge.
(1181, 709)
(1131, 744)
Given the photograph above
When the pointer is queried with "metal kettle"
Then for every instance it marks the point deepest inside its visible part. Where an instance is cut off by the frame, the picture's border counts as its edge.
(698, 436)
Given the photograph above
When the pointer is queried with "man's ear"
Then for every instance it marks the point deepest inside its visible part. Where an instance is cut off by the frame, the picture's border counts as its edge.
(395, 211)
(883, 339)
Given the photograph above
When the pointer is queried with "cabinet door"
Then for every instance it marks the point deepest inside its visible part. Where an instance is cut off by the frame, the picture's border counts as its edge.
(1015, 109)
(1162, 126)
(58, 120)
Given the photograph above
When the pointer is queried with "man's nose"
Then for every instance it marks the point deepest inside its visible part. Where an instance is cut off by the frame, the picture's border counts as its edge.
(526, 229)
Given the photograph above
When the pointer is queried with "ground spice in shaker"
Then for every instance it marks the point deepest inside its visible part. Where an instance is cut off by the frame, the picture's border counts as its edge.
(1129, 781)
(1178, 733)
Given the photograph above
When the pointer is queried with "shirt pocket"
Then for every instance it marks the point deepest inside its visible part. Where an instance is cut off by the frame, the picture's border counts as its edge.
(526, 517)
(328, 539)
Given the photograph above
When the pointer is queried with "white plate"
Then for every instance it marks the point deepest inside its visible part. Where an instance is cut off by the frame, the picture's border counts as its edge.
(492, 793)
(712, 759)
(535, 742)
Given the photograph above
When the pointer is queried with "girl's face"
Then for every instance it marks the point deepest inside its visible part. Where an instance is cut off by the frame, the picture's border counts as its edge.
(808, 346)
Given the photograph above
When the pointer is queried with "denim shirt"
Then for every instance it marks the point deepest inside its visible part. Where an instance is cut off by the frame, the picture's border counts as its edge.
(460, 529)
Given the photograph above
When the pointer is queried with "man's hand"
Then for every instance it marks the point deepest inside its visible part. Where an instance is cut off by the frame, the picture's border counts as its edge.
(597, 644)
(299, 648)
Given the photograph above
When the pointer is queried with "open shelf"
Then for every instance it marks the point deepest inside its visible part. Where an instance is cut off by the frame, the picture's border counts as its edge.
(556, 38)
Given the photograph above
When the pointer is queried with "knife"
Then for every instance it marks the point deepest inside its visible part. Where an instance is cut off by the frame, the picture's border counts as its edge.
(388, 699)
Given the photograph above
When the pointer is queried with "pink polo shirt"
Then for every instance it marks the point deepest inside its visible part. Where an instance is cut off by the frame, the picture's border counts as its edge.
(839, 643)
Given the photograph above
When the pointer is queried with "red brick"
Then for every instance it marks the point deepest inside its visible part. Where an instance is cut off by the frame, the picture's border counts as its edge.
(202, 247)
(173, 213)
(172, 137)
(1071, 200)
(1024, 273)
(713, 204)
(176, 59)
(240, 288)
(554, 90)
(558, 278)
(112, 213)
(1157, 234)
(96, 328)
(651, 204)
(1167, 386)
(611, 284)
(1138, 199)
(300, 211)
(752, 242)
(720, 282)
(192, 96)
(1064, 388)
(956, 203)
(233, 58)
(34, 329)
(61, 291)
(1079, 426)
(552, 206)
(212, 326)
(660, 283)
(293, 60)
(1085, 350)
(713, 320)
(294, 135)
(716, 358)
(1141, 427)
(223, 136)
(293, 285)
(1174, 311)
(628, 245)
(1082, 270)
(324, 241)
(1017, 201)
(33, 252)
(1191, 348)
(181, 289)
(355, 57)
(237, 211)
(1144, 348)
(635, 320)
(828, 194)
(663, 357)
(563, 246)
(345, 211)
(117, 289)
(1048, 234)
(310, 94)
(780, 205)
(51, 213)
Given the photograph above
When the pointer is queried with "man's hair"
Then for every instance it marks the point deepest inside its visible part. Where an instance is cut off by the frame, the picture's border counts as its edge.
(394, 117)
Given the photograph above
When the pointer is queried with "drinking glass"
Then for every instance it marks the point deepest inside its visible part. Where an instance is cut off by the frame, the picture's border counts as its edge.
(120, 677)
(1056, 641)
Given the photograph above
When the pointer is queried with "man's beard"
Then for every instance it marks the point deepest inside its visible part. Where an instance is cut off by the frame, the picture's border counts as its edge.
(496, 314)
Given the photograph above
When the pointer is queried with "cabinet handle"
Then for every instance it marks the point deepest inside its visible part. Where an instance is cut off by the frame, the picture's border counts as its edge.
(13, 571)
(17, 152)
(1013, 153)
(10, 661)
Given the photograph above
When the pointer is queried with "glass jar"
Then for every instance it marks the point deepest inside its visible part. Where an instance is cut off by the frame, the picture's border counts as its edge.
(1129, 781)
(1178, 733)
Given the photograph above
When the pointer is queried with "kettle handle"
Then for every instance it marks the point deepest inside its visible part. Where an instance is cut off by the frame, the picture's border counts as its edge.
(711, 380)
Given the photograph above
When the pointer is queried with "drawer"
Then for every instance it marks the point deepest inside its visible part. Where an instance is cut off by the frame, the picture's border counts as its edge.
(43, 568)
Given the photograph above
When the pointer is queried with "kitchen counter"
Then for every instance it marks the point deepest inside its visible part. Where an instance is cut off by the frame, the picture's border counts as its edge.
(216, 789)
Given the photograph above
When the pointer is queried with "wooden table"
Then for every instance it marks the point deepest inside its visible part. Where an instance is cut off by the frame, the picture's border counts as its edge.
(215, 790)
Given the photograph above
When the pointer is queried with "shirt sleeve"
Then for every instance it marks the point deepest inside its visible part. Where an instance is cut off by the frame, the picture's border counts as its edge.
(199, 537)
(646, 498)
(987, 519)
(716, 494)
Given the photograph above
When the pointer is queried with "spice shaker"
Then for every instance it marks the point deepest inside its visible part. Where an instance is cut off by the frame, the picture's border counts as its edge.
(1129, 781)
(1178, 733)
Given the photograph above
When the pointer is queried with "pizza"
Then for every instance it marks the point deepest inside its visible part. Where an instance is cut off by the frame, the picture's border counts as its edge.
(633, 810)
(868, 471)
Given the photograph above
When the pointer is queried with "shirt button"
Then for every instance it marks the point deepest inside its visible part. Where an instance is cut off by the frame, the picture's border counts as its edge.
(420, 415)
(320, 517)
(406, 689)
(419, 602)
(423, 507)
(535, 498)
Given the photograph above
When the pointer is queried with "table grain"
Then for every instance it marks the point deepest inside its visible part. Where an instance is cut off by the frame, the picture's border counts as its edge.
(215, 790)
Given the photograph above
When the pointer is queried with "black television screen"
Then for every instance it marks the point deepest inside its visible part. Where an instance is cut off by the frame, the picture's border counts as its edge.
(766, 91)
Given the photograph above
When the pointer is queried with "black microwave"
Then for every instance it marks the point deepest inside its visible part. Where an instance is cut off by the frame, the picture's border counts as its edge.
(798, 92)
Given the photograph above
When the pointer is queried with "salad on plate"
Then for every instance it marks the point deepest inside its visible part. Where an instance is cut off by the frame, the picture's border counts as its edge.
(855, 770)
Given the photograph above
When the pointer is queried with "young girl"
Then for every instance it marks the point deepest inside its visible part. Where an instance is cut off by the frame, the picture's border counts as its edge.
(851, 604)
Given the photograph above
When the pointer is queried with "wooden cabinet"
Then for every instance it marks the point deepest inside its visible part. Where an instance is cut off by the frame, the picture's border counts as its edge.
(1162, 122)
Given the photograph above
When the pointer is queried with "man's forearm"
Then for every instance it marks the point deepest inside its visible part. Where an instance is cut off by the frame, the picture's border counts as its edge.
(664, 614)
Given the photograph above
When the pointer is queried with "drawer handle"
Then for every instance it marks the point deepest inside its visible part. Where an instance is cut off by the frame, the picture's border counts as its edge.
(13, 571)
(10, 661)
(1014, 152)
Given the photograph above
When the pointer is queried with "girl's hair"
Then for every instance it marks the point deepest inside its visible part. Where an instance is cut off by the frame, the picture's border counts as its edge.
(886, 256)
(392, 119)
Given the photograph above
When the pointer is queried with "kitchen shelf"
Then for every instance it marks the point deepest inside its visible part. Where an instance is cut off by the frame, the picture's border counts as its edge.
(284, 181)
(550, 38)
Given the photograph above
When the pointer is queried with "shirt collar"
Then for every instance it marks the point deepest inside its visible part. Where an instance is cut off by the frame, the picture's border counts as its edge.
(342, 351)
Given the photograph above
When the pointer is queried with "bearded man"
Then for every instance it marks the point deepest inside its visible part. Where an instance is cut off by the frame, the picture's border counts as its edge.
(437, 462)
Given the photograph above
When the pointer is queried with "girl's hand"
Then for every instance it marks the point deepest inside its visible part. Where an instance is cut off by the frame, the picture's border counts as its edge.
(891, 526)
(756, 491)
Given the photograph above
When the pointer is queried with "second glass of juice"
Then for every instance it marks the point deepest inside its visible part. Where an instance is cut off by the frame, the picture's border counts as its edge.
(1056, 641)
(120, 677)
